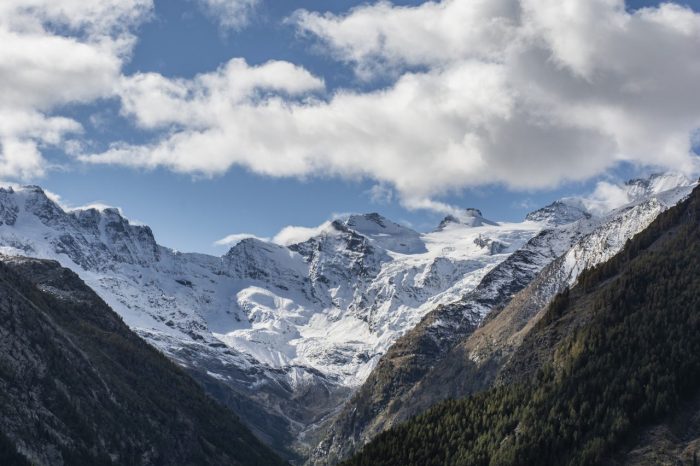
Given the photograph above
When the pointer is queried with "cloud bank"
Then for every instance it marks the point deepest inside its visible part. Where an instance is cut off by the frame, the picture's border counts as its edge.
(527, 94)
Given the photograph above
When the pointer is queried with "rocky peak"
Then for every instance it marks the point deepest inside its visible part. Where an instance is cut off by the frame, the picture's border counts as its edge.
(386, 234)
(558, 212)
(38, 203)
(656, 183)
(371, 218)
(468, 217)
(255, 259)
(130, 243)
(90, 237)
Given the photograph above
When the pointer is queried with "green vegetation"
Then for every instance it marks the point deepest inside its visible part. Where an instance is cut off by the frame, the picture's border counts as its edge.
(624, 350)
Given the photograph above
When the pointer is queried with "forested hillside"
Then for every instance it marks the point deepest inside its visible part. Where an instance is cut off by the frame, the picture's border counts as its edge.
(618, 352)
(77, 387)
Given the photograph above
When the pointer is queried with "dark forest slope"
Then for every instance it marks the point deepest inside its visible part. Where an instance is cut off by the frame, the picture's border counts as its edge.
(614, 356)
(78, 387)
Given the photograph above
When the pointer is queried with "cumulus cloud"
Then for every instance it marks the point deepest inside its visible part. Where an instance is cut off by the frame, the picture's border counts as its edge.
(605, 197)
(383, 38)
(527, 94)
(230, 14)
(54, 53)
(287, 236)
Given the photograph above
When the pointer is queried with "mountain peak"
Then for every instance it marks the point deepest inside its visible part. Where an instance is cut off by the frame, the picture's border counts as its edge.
(385, 233)
(471, 211)
(89, 237)
(559, 212)
(656, 183)
(249, 244)
(470, 216)
(369, 223)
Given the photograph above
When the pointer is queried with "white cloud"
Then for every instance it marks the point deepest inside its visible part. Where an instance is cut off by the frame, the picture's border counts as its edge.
(155, 101)
(381, 194)
(287, 236)
(55, 198)
(610, 195)
(53, 53)
(100, 206)
(606, 197)
(528, 94)
(230, 14)
(382, 37)
(232, 240)
(293, 234)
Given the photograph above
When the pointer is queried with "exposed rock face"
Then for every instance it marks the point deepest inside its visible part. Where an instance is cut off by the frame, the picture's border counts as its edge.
(285, 334)
(78, 387)
(460, 348)
(281, 334)
(559, 213)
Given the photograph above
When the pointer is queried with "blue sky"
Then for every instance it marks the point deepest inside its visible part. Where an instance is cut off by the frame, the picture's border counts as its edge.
(190, 210)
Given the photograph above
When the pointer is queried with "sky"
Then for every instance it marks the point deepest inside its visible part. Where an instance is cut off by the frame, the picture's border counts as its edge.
(207, 118)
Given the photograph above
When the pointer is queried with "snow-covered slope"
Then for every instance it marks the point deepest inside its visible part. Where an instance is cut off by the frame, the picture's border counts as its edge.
(271, 321)
(400, 386)
(337, 301)
(289, 330)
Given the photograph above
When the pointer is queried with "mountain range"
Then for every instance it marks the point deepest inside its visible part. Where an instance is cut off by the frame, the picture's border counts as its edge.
(606, 373)
(321, 345)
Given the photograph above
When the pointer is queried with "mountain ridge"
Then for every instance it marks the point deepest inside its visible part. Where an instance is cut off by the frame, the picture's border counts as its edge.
(294, 322)
(284, 334)
(393, 391)
(607, 360)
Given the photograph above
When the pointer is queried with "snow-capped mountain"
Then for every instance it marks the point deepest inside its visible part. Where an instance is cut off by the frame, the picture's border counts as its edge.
(469, 217)
(285, 319)
(560, 212)
(400, 386)
(285, 334)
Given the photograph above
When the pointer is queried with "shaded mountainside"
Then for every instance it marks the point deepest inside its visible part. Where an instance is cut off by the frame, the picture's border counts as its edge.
(609, 374)
(460, 348)
(78, 387)
(674, 441)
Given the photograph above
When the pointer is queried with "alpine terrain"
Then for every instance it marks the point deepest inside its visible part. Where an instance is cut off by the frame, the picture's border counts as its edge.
(606, 374)
(322, 344)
